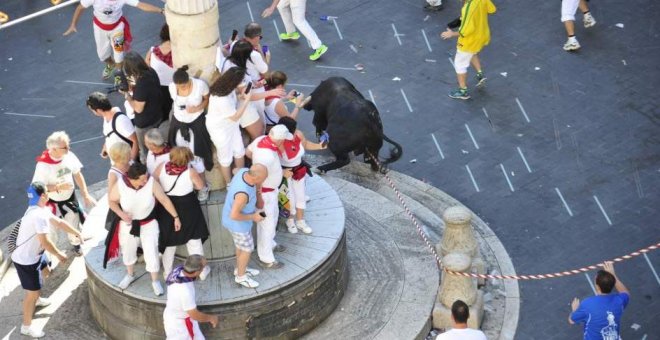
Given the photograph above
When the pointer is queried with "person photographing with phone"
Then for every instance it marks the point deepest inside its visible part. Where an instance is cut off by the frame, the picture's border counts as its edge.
(275, 107)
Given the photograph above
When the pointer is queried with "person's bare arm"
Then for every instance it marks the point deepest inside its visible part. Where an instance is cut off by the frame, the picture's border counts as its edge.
(82, 185)
(245, 101)
(50, 247)
(74, 20)
(135, 151)
(307, 145)
(203, 317)
(200, 107)
(198, 182)
(113, 203)
(240, 200)
(147, 58)
(608, 266)
(574, 306)
(167, 204)
(270, 9)
(64, 225)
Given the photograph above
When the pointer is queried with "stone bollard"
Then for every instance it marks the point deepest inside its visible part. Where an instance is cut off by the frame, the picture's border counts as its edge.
(458, 237)
(456, 287)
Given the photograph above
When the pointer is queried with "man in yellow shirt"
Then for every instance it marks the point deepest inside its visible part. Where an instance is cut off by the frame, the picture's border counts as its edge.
(473, 34)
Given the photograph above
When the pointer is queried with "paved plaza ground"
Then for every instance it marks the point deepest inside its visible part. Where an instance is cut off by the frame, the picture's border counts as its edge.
(559, 153)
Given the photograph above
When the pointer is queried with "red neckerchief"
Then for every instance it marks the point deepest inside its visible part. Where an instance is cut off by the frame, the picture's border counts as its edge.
(273, 97)
(291, 147)
(45, 157)
(127, 181)
(166, 58)
(267, 143)
(174, 170)
(166, 149)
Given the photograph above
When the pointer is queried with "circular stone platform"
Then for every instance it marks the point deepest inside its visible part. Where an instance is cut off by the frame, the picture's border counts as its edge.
(288, 303)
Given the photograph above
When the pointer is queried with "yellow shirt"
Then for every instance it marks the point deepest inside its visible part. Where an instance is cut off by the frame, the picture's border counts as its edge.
(474, 33)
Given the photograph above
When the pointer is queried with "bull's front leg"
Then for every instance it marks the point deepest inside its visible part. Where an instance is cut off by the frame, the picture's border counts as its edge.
(340, 161)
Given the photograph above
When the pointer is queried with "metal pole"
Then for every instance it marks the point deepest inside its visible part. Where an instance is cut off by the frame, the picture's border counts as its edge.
(37, 14)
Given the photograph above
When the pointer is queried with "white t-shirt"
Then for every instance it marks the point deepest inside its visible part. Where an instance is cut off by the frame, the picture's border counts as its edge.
(270, 160)
(124, 127)
(256, 66)
(154, 161)
(197, 93)
(220, 108)
(108, 11)
(462, 334)
(62, 172)
(180, 298)
(35, 221)
(164, 71)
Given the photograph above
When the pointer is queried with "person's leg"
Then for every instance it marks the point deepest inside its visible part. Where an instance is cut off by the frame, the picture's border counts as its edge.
(461, 63)
(266, 228)
(584, 6)
(29, 303)
(128, 245)
(226, 173)
(285, 12)
(74, 220)
(242, 259)
(104, 50)
(476, 63)
(168, 260)
(587, 19)
(140, 132)
(255, 129)
(298, 12)
(568, 9)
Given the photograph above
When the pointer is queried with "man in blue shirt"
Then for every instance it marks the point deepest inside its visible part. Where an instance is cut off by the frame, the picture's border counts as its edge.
(601, 314)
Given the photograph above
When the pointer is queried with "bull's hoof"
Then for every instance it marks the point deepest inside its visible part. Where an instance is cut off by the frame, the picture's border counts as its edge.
(383, 170)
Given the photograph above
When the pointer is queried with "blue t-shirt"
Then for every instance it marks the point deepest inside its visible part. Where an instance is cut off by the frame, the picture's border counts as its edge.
(238, 185)
(601, 315)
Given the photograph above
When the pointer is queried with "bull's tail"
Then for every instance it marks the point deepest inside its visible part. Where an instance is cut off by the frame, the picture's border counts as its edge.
(395, 153)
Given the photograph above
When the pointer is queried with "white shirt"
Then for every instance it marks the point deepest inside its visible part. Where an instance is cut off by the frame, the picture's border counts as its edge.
(270, 160)
(462, 334)
(181, 187)
(180, 298)
(154, 161)
(196, 96)
(124, 127)
(35, 221)
(138, 203)
(62, 172)
(256, 66)
(220, 108)
(108, 11)
(164, 71)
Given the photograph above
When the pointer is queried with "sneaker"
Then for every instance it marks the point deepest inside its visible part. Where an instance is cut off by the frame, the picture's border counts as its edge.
(291, 226)
(571, 45)
(248, 271)
(203, 194)
(302, 225)
(77, 250)
(157, 287)
(126, 281)
(481, 80)
(289, 36)
(246, 281)
(279, 248)
(107, 71)
(117, 82)
(459, 94)
(205, 272)
(31, 332)
(318, 53)
(588, 20)
(430, 8)
(272, 265)
(42, 302)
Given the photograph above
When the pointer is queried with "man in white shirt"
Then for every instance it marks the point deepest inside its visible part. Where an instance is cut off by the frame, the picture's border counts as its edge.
(29, 258)
(181, 317)
(112, 32)
(117, 127)
(265, 150)
(460, 313)
(58, 167)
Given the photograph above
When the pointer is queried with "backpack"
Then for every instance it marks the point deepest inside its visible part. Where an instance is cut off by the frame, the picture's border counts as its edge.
(114, 129)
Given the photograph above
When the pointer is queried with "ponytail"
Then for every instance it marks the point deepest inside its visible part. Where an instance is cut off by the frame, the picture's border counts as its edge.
(181, 75)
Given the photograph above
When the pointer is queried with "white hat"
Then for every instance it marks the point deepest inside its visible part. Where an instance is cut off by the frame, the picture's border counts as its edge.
(280, 132)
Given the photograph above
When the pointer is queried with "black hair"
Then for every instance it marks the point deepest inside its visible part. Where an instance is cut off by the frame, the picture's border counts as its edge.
(39, 187)
(290, 124)
(227, 82)
(165, 33)
(136, 170)
(240, 53)
(134, 65)
(252, 30)
(99, 101)
(605, 281)
(460, 311)
(181, 75)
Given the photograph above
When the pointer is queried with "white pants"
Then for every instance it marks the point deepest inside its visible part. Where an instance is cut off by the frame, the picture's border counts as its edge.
(462, 61)
(293, 16)
(228, 144)
(568, 9)
(434, 2)
(74, 220)
(194, 248)
(175, 329)
(110, 43)
(266, 228)
(250, 115)
(149, 241)
(296, 195)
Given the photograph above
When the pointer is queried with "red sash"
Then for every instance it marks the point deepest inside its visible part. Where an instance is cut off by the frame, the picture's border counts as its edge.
(267, 189)
(128, 38)
(189, 326)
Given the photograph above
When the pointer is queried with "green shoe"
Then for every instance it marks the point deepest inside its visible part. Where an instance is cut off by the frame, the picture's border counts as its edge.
(107, 71)
(481, 79)
(318, 53)
(290, 36)
(459, 94)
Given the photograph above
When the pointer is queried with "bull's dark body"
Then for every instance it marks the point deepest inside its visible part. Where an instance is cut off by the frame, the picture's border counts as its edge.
(352, 122)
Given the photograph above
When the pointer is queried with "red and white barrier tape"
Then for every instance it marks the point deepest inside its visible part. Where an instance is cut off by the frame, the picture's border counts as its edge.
(424, 237)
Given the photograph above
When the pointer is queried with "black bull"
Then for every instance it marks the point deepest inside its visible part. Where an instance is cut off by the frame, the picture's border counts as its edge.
(352, 122)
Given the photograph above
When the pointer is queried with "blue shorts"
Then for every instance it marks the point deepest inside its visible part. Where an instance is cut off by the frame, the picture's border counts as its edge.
(30, 275)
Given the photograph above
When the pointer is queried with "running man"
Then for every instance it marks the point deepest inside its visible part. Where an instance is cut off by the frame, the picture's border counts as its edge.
(568, 9)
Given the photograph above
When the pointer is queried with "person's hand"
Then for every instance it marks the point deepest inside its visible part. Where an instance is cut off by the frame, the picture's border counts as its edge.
(191, 109)
(287, 173)
(89, 201)
(256, 217)
(214, 321)
(291, 94)
(259, 83)
(267, 12)
(302, 101)
(608, 266)
(126, 217)
(575, 304)
(80, 238)
(63, 186)
(323, 146)
(61, 256)
(177, 223)
(447, 34)
(71, 29)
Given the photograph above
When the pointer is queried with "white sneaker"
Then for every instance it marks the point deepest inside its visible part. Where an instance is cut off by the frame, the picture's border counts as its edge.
(203, 194)
(291, 226)
(571, 45)
(158, 289)
(588, 20)
(248, 271)
(31, 332)
(205, 272)
(42, 302)
(126, 281)
(302, 225)
(246, 282)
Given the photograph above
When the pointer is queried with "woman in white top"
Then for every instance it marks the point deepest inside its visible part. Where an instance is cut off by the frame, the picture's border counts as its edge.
(160, 59)
(188, 124)
(222, 119)
(120, 156)
(179, 181)
(275, 106)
